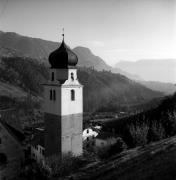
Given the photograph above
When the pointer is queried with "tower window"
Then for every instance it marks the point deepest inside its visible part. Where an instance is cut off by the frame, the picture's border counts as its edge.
(54, 95)
(52, 76)
(51, 94)
(72, 76)
(72, 95)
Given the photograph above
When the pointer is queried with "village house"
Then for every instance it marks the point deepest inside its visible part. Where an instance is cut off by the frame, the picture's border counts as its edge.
(37, 146)
(89, 133)
(11, 151)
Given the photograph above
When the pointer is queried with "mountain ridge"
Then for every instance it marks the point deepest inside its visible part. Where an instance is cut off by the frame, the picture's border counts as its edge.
(40, 49)
(15, 45)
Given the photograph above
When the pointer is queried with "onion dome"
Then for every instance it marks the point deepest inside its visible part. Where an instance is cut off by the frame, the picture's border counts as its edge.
(63, 57)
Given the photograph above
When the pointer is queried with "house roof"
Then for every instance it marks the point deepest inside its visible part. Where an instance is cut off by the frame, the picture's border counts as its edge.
(105, 135)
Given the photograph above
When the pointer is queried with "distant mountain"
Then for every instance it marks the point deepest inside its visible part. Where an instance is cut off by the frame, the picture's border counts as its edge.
(166, 88)
(13, 45)
(103, 91)
(151, 70)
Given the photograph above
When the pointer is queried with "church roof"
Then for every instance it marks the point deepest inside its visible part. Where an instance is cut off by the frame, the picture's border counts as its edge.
(63, 57)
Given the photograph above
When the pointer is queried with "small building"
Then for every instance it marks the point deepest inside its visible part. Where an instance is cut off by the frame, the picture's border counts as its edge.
(89, 133)
(37, 146)
(11, 151)
(89, 136)
(105, 139)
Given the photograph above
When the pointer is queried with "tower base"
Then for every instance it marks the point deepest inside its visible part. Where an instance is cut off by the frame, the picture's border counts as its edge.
(63, 134)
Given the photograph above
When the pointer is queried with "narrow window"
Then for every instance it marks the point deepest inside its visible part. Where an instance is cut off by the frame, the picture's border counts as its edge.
(51, 94)
(72, 95)
(87, 131)
(52, 76)
(54, 95)
(72, 77)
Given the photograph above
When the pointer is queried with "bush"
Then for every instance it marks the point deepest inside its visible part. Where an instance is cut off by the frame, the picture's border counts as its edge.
(103, 153)
(118, 147)
(139, 133)
(106, 152)
(61, 167)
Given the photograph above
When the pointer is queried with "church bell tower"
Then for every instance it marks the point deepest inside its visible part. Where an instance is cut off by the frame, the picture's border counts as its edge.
(63, 106)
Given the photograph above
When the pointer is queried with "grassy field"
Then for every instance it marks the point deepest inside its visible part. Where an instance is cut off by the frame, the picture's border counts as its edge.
(156, 161)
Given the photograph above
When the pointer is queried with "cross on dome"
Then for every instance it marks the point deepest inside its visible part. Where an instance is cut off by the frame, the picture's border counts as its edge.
(63, 33)
(63, 57)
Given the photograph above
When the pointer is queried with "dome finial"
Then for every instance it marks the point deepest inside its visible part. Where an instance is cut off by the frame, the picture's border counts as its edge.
(63, 33)
(63, 57)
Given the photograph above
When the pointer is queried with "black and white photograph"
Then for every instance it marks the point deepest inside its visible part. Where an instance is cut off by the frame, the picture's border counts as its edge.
(87, 89)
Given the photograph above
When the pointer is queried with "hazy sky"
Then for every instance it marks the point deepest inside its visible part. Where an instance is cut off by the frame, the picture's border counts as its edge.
(113, 29)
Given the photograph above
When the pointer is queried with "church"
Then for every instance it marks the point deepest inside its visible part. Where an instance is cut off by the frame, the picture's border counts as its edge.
(63, 105)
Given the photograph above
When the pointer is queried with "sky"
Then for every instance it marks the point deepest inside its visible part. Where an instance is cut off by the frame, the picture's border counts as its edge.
(115, 30)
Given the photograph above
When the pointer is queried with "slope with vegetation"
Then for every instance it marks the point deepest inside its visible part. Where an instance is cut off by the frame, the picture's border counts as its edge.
(149, 126)
(156, 161)
(106, 91)
(103, 91)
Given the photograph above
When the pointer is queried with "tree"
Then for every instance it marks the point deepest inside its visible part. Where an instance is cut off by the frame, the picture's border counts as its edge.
(139, 133)
(63, 166)
(172, 122)
(157, 131)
